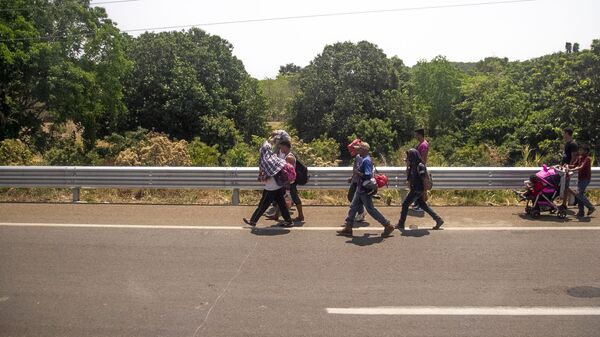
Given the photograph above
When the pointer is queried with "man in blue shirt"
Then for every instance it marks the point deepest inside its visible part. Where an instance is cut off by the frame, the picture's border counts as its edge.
(362, 197)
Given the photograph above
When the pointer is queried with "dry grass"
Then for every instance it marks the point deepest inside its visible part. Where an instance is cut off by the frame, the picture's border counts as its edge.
(223, 197)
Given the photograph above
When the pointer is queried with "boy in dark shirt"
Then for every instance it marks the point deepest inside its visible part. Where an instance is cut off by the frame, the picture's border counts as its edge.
(570, 151)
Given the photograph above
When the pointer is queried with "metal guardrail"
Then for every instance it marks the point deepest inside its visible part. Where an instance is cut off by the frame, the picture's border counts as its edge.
(237, 178)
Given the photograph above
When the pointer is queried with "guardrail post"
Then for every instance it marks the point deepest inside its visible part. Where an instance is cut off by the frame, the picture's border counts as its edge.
(235, 197)
(76, 193)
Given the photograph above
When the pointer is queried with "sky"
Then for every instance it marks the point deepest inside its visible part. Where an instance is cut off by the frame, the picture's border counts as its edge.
(518, 31)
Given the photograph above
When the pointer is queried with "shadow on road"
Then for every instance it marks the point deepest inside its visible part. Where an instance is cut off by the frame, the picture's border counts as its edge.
(547, 218)
(270, 231)
(366, 240)
(415, 233)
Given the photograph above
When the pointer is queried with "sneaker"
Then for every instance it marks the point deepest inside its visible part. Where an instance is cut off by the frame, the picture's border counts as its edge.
(249, 223)
(360, 217)
(286, 224)
(270, 212)
(299, 219)
(417, 209)
(591, 210)
(438, 224)
(400, 226)
(580, 215)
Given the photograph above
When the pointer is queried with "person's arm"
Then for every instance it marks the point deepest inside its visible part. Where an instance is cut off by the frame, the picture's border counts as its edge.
(582, 164)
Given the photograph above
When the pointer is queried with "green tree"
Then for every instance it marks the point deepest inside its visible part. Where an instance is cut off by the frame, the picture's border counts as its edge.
(436, 88)
(344, 85)
(180, 77)
(62, 60)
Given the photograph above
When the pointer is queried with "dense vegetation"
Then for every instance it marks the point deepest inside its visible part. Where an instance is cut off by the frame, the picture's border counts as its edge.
(76, 90)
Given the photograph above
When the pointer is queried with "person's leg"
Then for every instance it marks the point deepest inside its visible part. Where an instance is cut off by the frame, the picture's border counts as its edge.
(360, 214)
(351, 192)
(408, 200)
(367, 201)
(297, 201)
(265, 201)
(423, 204)
(279, 197)
(354, 207)
(583, 200)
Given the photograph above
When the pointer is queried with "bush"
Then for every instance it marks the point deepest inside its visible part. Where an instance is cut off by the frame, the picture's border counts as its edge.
(479, 155)
(112, 145)
(67, 151)
(14, 153)
(320, 152)
(155, 150)
(241, 155)
(202, 154)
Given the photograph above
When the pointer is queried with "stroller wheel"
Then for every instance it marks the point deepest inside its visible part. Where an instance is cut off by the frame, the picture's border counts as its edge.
(535, 213)
(562, 214)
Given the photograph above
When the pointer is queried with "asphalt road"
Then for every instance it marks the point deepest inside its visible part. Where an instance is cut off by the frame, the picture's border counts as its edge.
(163, 272)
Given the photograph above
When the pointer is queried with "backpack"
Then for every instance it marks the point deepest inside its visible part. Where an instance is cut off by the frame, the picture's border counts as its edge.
(301, 173)
(427, 181)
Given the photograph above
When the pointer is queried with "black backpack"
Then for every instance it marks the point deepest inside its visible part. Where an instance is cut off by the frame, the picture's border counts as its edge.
(301, 172)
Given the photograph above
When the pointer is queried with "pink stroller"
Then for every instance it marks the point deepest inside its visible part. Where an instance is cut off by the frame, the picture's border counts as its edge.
(542, 189)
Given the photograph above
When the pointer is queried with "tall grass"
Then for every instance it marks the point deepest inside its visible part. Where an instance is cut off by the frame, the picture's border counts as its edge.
(391, 197)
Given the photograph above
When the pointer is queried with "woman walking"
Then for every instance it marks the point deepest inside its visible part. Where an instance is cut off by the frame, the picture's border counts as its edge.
(270, 166)
(416, 174)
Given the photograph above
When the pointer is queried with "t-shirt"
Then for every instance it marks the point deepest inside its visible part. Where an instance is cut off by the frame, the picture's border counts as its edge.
(423, 149)
(585, 172)
(366, 167)
(567, 156)
(271, 184)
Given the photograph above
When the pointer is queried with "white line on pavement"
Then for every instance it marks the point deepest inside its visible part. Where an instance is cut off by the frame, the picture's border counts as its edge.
(373, 228)
(469, 311)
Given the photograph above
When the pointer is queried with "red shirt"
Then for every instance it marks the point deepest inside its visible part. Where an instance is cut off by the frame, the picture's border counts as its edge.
(585, 172)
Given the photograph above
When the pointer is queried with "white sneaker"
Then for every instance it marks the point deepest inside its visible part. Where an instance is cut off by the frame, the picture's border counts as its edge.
(417, 209)
(360, 217)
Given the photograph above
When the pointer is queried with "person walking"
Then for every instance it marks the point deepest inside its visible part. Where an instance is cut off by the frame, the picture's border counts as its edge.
(285, 148)
(583, 167)
(269, 167)
(569, 155)
(423, 148)
(354, 180)
(362, 197)
(277, 137)
(416, 174)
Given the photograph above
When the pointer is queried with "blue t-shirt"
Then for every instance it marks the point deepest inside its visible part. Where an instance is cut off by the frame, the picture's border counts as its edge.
(366, 167)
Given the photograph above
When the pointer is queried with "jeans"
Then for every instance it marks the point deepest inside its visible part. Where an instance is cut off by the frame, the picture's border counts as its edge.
(583, 200)
(351, 193)
(267, 198)
(360, 200)
(417, 197)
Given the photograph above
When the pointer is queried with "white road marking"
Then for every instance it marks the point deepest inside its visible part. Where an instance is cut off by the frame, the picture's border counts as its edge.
(361, 229)
(469, 311)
